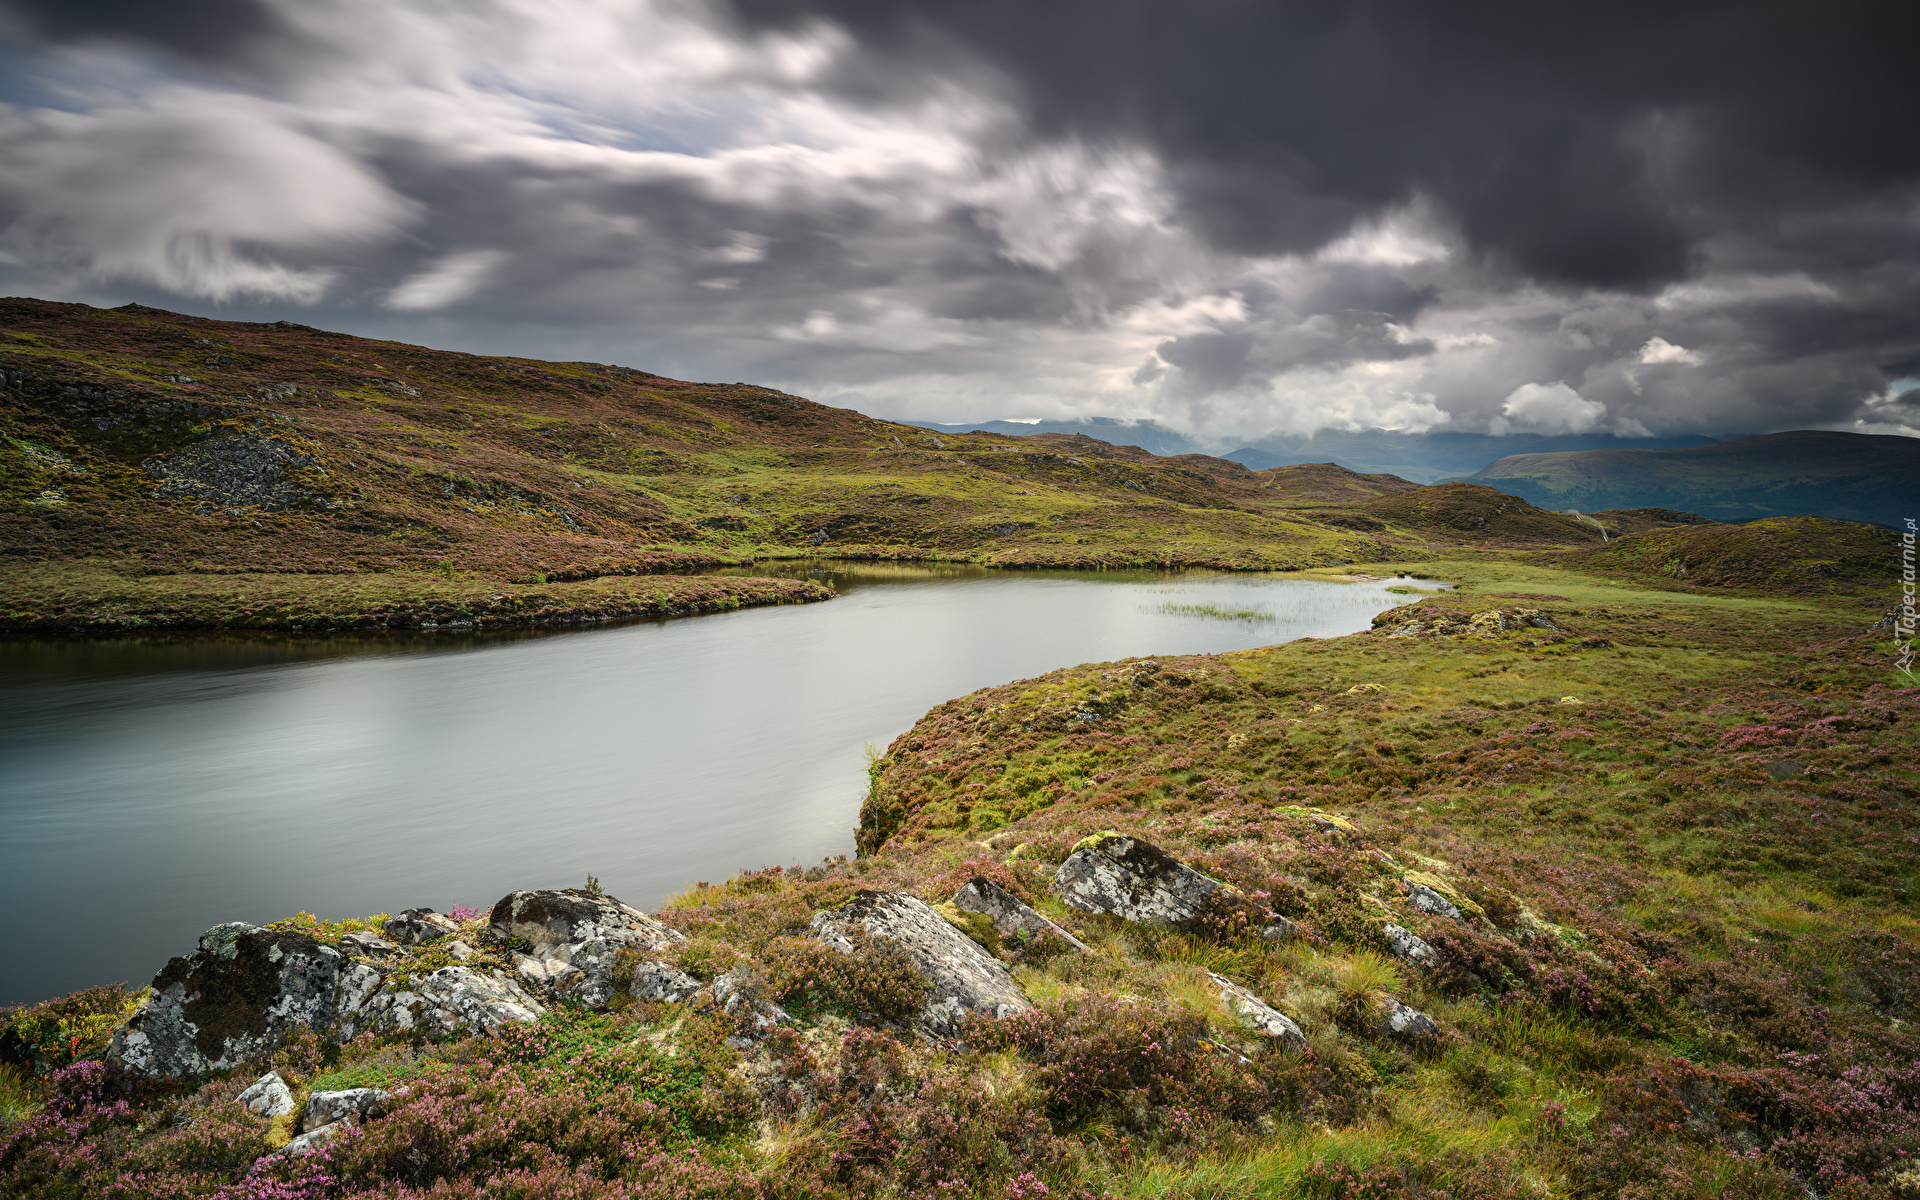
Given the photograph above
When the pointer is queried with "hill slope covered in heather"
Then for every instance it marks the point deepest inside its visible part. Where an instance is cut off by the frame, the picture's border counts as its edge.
(160, 469)
(1849, 476)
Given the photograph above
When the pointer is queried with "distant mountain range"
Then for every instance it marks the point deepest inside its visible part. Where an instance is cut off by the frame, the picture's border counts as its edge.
(1427, 457)
(1849, 476)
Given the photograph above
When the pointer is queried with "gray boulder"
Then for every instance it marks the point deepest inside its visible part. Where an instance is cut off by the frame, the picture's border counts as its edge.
(737, 994)
(447, 1001)
(1261, 1017)
(965, 978)
(352, 1104)
(1013, 919)
(662, 981)
(242, 992)
(1401, 1021)
(268, 1096)
(1137, 882)
(1279, 929)
(307, 1143)
(366, 943)
(573, 938)
(1409, 946)
(418, 926)
(1427, 900)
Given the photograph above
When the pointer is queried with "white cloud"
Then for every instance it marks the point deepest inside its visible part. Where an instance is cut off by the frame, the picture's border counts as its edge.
(1547, 408)
(447, 280)
(1660, 350)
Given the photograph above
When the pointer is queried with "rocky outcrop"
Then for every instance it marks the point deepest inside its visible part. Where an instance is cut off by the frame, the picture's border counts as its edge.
(1409, 946)
(242, 992)
(662, 981)
(446, 1001)
(965, 979)
(268, 1096)
(1261, 1017)
(418, 926)
(736, 994)
(1137, 882)
(246, 989)
(367, 944)
(1420, 621)
(573, 940)
(236, 470)
(1012, 919)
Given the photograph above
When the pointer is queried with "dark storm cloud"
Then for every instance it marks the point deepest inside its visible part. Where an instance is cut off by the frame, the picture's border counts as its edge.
(207, 33)
(1234, 217)
(1591, 145)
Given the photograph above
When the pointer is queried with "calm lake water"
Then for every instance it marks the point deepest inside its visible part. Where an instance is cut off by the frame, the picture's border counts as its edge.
(150, 789)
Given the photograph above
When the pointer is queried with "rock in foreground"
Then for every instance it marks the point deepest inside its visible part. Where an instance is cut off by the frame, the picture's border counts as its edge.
(1139, 882)
(965, 978)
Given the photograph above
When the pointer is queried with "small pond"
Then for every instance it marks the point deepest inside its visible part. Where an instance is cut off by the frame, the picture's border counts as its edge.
(152, 788)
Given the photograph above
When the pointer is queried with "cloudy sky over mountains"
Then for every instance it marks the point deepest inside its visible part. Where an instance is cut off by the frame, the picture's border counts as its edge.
(1233, 217)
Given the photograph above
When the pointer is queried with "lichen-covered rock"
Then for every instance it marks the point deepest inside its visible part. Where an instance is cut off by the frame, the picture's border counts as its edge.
(351, 1104)
(1012, 918)
(964, 977)
(1259, 1016)
(1279, 929)
(1427, 900)
(574, 939)
(242, 992)
(268, 1096)
(449, 1000)
(366, 943)
(1406, 944)
(1402, 1021)
(662, 981)
(1137, 882)
(736, 992)
(307, 1143)
(418, 926)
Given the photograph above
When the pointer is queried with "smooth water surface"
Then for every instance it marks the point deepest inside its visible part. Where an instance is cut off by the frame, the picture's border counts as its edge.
(151, 789)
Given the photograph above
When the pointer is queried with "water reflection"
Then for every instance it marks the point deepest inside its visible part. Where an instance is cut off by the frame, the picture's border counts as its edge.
(152, 787)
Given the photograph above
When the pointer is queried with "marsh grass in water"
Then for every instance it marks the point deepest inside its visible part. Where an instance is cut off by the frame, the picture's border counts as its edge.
(1217, 613)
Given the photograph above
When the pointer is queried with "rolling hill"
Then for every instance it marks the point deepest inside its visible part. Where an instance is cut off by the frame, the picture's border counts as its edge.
(198, 472)
(1849, 476)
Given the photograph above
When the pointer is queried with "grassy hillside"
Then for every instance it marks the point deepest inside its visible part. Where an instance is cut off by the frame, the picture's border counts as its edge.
(138, 446)
(1850, 476)
(1808, 556)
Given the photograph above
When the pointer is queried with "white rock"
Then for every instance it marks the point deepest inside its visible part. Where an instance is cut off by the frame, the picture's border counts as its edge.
(1135, 881)
(965, 978)
(1010, 916)
(1260, 1016)
(268, 1096)
(1408, 945)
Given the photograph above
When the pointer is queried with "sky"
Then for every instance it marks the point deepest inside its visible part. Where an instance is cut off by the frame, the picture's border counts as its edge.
(1233, 217)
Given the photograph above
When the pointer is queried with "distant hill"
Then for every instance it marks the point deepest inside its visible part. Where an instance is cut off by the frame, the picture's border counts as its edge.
(1425, 457)
(1146, 435)
(1475, 513)
(1330, 483)
(1848, 476)
(1792, 555)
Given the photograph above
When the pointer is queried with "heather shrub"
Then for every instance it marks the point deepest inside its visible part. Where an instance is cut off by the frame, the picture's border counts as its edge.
(45, 1037)
(1132, 1062)
(878, 981)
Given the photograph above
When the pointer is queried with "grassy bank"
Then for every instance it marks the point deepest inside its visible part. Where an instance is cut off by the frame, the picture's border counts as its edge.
(86, 598)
